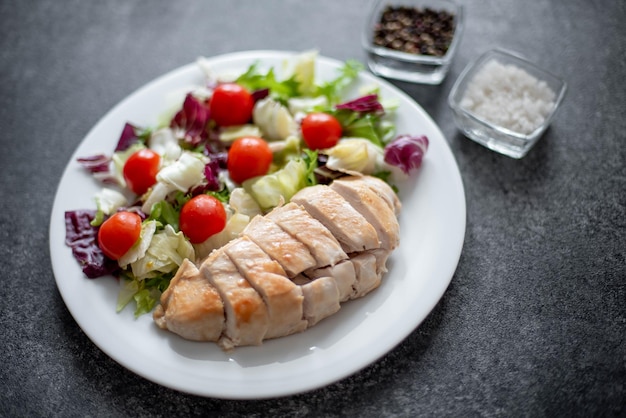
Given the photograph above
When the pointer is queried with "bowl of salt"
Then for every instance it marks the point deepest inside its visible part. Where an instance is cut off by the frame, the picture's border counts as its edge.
(505, 102)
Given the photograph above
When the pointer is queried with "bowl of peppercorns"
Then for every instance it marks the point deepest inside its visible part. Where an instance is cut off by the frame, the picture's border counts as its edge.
(412, 40)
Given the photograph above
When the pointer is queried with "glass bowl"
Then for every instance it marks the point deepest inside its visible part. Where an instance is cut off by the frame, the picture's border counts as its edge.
(412, 60)
(505, 102)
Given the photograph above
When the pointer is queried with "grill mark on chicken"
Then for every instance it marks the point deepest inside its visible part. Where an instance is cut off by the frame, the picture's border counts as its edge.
(282, 297)
(302, 226)
(247, 319)
(290, 253)
(373, 209)
(190, 306)
(348, 226)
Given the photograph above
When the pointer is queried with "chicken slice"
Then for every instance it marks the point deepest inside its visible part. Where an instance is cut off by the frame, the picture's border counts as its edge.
(283, 297)
(348, 226)
(367, 276)
(190, 306)
(373, 208)
(321, 243)
(321, 299)
(247, 319)
(290, 253)
(382, 189)
(382, 256)
(344, 276)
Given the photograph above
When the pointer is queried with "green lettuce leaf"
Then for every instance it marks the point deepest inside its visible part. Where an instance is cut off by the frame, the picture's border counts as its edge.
(253, 79)
(347, 74)
(145, 293)
(165, 254)
(274, 189)
(165, 214)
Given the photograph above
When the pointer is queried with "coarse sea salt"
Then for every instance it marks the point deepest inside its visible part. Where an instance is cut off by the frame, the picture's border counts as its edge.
(508, 96)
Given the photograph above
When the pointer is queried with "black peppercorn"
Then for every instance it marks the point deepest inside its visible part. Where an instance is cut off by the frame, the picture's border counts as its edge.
(415, 30)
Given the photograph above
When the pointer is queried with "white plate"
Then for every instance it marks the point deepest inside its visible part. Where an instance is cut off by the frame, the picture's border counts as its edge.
(432, 233)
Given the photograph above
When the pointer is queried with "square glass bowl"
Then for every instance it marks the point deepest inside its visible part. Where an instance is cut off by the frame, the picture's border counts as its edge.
(417, 35)
(501, 101)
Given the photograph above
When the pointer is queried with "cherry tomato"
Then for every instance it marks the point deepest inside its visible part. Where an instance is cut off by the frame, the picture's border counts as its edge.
(248, 157)
(140, 170)
(231, 104)
(320, 130)
(118, 234)
(201, 217)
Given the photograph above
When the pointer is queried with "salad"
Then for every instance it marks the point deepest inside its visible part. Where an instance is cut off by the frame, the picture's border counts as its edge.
(235, 148)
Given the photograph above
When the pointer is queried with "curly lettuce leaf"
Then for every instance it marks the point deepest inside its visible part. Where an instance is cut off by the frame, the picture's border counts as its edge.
(354, 155)
(333, 89)
(138, 250)
(254, 80)
(165, 213)
(145, 293)
(165, 254)
(274, 189)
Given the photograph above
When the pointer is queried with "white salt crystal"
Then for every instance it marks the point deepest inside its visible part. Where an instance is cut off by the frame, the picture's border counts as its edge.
(509, 97)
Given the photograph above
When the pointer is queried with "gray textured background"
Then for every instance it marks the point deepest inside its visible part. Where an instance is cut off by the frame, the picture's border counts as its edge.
(534, 321)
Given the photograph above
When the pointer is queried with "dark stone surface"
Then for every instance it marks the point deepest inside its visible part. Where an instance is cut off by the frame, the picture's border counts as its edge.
(534, 321)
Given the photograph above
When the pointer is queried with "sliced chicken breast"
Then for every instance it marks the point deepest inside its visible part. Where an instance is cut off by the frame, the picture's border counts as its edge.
(321, 299)
(381, 188)
(348, 226)
(289, 269)
(300, 224)
(283, 298)
(190, 306)
(290, 253)
(247, 319)
(382, 256)
(367, 277)
(374, 209)
(344, 275)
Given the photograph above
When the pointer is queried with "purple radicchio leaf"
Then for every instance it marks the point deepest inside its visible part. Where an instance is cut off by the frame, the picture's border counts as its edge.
(189, 124)
(211, 173)
(213, 145)
(82, 238)
(260, 94)
(365, 104)
(136, 209)
(406, 152)
(99, 166)
(98, 163)
(221, 157)
(127, 138)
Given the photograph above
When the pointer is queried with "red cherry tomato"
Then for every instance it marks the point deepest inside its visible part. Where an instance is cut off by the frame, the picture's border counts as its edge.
(140, 170)
(201, 217)
(231, 104)
(320, 130)
(118, 233)
(248, 157)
